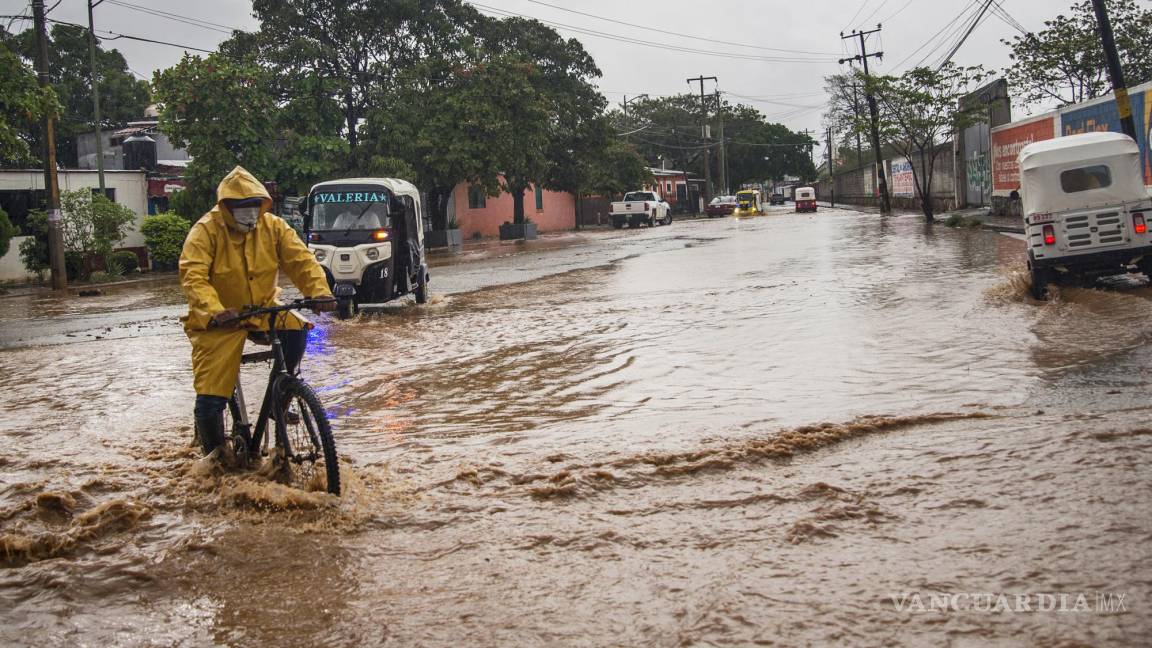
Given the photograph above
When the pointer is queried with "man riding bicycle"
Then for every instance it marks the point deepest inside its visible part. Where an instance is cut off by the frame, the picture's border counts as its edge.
(231, 259)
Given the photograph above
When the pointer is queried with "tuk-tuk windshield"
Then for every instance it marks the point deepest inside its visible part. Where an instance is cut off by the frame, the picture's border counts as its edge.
(339, 209)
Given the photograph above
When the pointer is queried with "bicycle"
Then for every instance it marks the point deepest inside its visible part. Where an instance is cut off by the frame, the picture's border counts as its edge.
(305, 451)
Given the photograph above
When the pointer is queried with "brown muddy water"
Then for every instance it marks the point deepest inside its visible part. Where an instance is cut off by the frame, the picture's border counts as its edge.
(759, 432)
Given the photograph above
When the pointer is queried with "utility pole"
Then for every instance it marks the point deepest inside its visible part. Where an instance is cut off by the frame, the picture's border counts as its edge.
(723, 147)
(704, 134)
(626, 99)
(811, 143)
(51, 184)
(831, 175)
(96, 96)
(1123, 103)
(863, 56)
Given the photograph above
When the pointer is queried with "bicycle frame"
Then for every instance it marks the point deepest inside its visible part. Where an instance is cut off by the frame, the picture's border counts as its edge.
(276, 376)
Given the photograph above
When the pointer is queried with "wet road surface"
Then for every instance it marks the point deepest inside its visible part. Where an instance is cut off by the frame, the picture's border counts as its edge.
(726, 432)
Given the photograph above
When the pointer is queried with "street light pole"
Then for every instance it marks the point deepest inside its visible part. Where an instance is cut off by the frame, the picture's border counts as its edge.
(51, 182)
(95, 80)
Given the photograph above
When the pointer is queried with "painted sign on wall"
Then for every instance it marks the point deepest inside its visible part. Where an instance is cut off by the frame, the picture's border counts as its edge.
(1006, 144)
(903, 183)
(1103, 117)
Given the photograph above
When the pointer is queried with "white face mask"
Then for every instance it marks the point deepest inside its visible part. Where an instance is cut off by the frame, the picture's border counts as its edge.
(245, 217)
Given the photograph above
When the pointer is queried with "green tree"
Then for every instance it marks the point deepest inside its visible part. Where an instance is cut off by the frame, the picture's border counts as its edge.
(223, 112)
(164, 236)
(1064, 62)
(353, 51)
(919, 112)
(123, 97)
(93, 225)
(23, 104)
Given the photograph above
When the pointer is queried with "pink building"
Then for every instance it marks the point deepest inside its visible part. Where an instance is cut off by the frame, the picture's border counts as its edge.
(478, 213)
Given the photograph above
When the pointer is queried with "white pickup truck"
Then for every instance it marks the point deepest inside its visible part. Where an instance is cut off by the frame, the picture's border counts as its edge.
(641, 207)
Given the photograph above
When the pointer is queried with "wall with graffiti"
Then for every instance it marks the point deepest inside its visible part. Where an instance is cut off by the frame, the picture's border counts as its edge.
(1090, 116)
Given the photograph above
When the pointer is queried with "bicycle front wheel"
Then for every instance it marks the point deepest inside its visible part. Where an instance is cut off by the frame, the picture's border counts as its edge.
(306, 446)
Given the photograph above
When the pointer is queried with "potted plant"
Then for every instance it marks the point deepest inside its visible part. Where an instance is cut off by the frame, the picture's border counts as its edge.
(448, 237)
(517, 231)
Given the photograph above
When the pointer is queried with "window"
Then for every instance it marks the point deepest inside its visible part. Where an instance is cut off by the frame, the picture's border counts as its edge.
(477, 197)
(668, 187)
(109, 193)
(539, 198)
(1085, 178)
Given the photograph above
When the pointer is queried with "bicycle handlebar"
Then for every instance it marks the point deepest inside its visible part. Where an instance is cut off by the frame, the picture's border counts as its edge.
(253, 311)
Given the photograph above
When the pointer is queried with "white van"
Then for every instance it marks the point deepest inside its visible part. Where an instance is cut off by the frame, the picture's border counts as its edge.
(1086, 209)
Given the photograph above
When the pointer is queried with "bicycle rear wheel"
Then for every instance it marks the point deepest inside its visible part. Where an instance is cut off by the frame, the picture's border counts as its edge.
(306, 448)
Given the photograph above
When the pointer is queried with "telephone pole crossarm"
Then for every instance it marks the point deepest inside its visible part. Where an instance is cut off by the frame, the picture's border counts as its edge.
(873, 113)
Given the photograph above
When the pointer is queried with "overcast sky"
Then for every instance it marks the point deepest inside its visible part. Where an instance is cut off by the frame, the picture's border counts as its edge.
(746, 39)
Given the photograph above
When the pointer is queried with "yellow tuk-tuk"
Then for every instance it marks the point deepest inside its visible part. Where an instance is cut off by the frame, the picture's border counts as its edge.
(747, 202)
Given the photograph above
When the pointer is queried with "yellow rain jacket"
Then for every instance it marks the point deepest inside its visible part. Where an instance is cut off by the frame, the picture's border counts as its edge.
(222, 267)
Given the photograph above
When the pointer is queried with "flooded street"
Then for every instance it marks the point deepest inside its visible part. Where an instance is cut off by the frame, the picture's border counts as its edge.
(725, 432)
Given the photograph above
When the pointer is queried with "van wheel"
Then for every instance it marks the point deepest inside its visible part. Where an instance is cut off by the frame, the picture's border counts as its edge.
(668, 219)
(617, 224)
(1040, 280)
(346, 309)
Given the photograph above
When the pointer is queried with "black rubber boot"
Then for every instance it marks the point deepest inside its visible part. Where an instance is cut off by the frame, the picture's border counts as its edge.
(210, 430)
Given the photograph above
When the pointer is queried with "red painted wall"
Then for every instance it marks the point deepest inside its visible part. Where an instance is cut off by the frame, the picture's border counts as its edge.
(559, 212)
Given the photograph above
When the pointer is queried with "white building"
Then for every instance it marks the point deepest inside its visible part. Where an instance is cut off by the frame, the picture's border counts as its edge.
(22, 189)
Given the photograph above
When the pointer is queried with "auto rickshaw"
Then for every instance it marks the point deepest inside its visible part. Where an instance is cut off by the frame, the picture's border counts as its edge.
(805, 199)
(368, 235)
(747, 203)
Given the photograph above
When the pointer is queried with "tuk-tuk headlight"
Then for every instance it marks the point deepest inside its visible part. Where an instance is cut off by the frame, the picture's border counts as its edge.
(372, 254)
(321, 255)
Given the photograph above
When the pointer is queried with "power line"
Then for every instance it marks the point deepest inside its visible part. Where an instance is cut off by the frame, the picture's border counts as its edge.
(672, 33)
(853, 18)
(187, 20)
(956, 47)
(664, 46)
(118, 36)
(873, 13)
(933, 38)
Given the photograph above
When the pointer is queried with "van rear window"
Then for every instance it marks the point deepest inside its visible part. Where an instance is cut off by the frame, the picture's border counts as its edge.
(1085, 178)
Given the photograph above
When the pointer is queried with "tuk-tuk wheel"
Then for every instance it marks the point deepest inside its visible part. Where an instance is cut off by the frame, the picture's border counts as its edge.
(421, 291)
(1040, 281)
(346, 309)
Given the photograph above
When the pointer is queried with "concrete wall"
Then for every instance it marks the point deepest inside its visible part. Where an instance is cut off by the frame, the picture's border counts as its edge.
(559, 212)
(11, 269)
(131, 190)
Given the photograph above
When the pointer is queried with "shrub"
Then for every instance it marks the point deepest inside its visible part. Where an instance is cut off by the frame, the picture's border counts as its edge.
(7, 231)
(34, 250)
(124, 261)
(93, 225)
(164, 235)
(76, 265)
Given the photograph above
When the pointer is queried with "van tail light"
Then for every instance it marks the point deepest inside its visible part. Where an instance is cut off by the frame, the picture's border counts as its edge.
(1049, 235)
(1138, 223)
(645, 206)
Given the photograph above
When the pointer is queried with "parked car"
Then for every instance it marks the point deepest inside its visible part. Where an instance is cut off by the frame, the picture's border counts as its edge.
(1086, 209)
(805, 199)
(720, 206)
(776, 199)
(641, 207)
